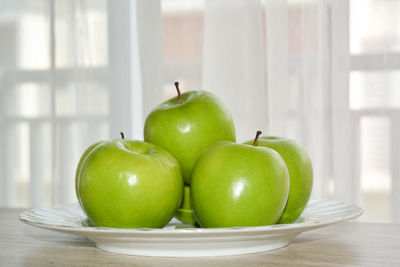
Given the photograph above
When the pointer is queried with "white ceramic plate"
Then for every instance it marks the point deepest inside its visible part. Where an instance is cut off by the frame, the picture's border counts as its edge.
(183, 240)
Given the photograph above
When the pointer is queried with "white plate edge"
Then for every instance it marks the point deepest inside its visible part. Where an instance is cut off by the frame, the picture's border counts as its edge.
(298, 227)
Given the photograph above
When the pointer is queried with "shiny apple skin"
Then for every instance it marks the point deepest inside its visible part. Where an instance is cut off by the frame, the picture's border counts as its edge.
(239, 185)
(300, 171)
(79, 168)
(186, 129)
(130, 184)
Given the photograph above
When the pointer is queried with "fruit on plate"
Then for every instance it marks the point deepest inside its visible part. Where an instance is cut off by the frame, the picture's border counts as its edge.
(79, 168)
(187, 124)
(239, 185)
(300, 171)
(129, 184)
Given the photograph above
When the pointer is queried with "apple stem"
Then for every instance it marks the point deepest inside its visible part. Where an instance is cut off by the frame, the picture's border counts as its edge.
(256, 139)
(122, 135)
(179, 91)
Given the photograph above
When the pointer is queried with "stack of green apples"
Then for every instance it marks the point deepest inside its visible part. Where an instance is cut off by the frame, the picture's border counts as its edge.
(190, 166)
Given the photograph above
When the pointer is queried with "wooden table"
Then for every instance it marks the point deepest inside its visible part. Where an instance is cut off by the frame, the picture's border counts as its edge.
(345, 244)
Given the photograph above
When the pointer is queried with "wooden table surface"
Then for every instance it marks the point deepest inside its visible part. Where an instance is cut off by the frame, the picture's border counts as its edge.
(344, 244)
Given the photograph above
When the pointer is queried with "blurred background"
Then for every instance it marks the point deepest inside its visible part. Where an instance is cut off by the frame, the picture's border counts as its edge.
(325, 72)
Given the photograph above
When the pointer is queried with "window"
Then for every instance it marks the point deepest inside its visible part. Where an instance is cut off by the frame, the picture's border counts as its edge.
(304, 68)
(53, 93)
(375, 102)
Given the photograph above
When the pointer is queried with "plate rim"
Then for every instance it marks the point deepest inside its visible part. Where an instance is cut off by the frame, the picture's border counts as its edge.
(295, 227)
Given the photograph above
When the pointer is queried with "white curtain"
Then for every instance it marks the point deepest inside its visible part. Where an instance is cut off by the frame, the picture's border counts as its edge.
(289, 68)
(54, 98)
(324, 72)
(280, 88)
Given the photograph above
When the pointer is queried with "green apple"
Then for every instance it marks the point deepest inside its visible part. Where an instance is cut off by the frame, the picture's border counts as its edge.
(130, 184)
(185, 212)
(300, 171)
(187, 124)
(239, 185)
(79, 168)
